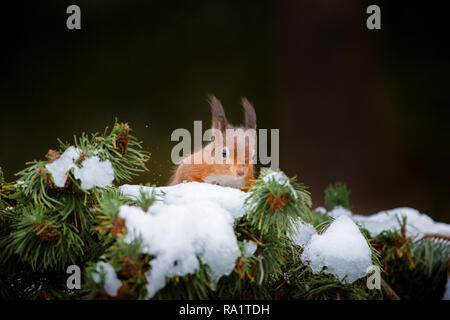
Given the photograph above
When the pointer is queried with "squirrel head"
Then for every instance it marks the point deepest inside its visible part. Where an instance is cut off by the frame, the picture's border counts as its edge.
(228, 159)
(232, 145)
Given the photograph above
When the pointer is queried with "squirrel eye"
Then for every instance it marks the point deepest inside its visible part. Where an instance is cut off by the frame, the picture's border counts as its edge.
(224, 153)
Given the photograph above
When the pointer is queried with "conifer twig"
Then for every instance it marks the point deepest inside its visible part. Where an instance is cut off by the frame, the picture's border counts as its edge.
(261, 269)
(391, 294)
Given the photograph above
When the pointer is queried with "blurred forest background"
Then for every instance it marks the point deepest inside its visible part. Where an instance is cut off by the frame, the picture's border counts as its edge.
(368, 108)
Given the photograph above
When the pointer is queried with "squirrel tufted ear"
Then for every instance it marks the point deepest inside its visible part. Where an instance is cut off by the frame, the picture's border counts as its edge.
(219, 120)
(250, 114)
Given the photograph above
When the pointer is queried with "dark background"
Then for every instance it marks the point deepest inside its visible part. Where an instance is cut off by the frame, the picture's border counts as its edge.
(368, 108)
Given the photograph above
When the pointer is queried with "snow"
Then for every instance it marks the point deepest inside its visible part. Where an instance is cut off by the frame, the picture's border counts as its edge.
(94, 173)
(321, 210)
(60, 167)
(280, 178)
(339, 211)
(342, 249)
(20, 183)
(112, 283)
(416, 223)
(191, 220)
(303, 233)
(230, 199)
(133, 191)
(194, 219)
(249, 248)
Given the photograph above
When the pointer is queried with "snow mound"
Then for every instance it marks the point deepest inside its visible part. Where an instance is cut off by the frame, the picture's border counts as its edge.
(342, 249)
(112, 283)
(230, 199)
(303, 233)
(339, 211)
(416, 223)
(195, 220)
(321, 210)
(249, 248)
(94, 173)
(191, 220)
(60, 167)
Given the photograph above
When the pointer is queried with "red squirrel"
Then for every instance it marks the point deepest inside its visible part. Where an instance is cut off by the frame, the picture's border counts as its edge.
(230, 172)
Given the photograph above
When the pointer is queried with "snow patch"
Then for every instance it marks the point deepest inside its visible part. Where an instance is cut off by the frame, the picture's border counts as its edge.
(280, 178)
(249, 248)
(303, 233)
(61, 166)
(112, 283)
(339, 211)
(321, 210)
(191, 220)
(230, 199)
(416, 223)
(94, 173)
(342, 249)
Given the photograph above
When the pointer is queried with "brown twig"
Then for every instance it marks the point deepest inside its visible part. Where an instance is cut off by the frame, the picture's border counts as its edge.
(389, 292)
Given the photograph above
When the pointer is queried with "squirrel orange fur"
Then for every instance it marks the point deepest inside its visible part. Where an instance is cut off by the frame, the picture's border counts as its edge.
(230, 173)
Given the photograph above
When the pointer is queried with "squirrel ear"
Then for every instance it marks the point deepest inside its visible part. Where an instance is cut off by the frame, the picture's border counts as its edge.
(219, 120)
(250, 114)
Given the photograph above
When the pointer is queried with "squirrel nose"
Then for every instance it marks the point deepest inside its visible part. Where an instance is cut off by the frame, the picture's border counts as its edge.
(240, 173)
